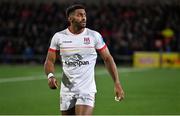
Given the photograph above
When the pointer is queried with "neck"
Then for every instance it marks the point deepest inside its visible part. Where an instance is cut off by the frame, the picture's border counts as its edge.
(75, 30)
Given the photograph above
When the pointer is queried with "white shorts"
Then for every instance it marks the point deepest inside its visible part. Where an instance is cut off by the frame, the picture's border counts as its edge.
(68, 101)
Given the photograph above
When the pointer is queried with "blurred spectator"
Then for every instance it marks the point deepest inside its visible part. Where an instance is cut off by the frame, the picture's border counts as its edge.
(168, 36)
(7, 52)
(28, 53)
(125, 29)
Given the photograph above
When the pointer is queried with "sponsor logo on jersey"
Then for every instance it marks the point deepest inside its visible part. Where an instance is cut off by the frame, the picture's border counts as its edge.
(76, 60)
(86, 40)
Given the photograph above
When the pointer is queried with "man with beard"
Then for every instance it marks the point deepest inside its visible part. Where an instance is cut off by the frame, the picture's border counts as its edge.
(77, 46)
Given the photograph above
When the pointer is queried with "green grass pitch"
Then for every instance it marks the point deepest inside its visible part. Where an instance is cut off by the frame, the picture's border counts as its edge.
(24, 90)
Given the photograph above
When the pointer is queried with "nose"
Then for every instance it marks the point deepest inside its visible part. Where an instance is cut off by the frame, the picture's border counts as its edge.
(84, 18)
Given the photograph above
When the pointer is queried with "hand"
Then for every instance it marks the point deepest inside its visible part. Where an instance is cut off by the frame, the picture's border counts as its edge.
(119, 93)
(52, 82)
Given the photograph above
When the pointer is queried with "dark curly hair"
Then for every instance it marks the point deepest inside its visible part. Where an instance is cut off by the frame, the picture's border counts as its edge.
(72, 8)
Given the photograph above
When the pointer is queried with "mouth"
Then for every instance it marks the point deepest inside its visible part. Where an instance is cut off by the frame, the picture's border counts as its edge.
(83, 23)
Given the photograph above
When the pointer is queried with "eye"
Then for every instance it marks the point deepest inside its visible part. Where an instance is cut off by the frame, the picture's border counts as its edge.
(78, 14)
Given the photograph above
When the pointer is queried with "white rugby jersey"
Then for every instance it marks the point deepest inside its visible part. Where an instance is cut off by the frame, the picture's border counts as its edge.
(78, 55)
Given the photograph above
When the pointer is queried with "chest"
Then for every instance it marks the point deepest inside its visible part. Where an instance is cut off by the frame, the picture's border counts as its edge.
(76, 45)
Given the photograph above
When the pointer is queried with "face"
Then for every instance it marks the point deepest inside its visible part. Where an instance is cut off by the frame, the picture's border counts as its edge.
(78, 18)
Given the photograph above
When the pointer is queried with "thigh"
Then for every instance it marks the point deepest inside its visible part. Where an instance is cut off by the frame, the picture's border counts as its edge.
(83, 110)
(67, 104)
(69, 112)
(85, 104)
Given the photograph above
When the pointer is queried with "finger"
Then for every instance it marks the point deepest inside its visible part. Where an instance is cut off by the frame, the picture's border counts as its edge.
(55, 83)
(118, 94)
(117, 98)
(51, 83)
(122, 94)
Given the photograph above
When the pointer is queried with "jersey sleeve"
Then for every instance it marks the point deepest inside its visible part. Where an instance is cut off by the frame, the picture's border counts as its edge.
(54, 43)
(100, 44)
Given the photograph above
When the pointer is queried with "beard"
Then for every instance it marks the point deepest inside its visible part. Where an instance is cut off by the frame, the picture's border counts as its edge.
(79, 24)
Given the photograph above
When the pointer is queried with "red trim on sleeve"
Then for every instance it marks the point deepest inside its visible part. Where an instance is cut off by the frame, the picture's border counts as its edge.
(52, 50)
(102, 48)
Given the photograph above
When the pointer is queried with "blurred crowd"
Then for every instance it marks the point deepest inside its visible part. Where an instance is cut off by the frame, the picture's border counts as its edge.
(26, 29)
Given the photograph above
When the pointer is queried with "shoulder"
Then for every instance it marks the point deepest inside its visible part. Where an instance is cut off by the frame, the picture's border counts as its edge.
(60, 33)
(93, 33)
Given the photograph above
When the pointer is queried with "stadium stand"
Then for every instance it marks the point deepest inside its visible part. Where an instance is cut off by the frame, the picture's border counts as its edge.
(26, 28)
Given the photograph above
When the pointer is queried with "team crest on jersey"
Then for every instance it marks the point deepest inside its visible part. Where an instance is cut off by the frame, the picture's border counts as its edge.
(86, 40)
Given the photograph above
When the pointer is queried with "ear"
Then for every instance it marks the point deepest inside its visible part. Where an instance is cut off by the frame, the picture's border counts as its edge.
(69, 18)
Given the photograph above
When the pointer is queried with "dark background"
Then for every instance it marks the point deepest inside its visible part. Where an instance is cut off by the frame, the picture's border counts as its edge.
(26, 27)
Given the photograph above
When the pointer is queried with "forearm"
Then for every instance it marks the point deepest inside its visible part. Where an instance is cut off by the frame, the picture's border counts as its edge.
(49, 67)
(49, 63)
(112, 69)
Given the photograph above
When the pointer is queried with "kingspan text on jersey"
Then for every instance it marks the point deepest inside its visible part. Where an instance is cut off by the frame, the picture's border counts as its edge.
(76, 63)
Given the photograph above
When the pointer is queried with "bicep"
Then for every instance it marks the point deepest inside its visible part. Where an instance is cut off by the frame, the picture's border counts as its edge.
(105, 54)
